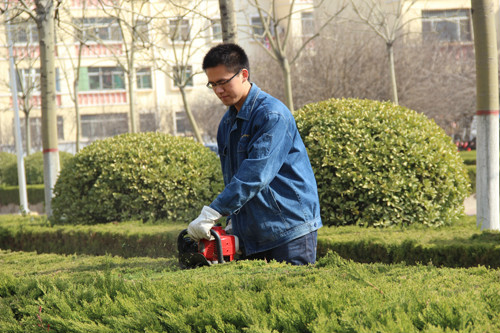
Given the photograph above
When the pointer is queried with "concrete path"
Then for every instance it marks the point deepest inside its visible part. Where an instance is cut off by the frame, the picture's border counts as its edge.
(470, 205)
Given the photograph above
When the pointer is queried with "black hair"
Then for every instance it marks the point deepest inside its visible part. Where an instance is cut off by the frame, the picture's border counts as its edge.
(228, 54)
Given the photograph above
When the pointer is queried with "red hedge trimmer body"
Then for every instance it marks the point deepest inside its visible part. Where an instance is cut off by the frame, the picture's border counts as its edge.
(222, 248)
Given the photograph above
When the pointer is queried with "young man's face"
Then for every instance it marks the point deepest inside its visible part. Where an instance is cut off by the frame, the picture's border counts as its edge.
(232, 92)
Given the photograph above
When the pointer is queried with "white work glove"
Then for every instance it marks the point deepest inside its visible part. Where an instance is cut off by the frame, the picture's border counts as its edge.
(200, 227)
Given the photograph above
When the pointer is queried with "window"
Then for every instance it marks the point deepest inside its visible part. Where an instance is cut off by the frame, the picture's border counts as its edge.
(183, 76)
(307, 19)
(101, 78)
(182, 125)
(258, 28)
(148, 122)
(144, 78)
(104, 125)
(447, 25)
(216, 30)
(178, 29)
(24, 33)
(97, 29)
(36, 131)
(142, 31)
(28, 80)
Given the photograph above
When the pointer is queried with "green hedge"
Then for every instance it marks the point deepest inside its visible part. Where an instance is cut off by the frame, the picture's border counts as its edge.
(10, 194)
(460, 246)
(48, 293)
(379, 164)
(129, 239)
(6, 160)
(33, 168)
(148, 176)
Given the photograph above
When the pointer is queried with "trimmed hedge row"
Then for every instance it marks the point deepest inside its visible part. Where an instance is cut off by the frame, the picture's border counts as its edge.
(460, 246)
(128, 239)
(33, 167)
(10, 194)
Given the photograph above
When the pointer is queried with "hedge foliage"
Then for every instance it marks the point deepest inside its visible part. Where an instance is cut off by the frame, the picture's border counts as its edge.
(33, 168)
(148, 176)
(10, 194)
(6, 160)
(109, 294)
(379, 164)
(459, 245)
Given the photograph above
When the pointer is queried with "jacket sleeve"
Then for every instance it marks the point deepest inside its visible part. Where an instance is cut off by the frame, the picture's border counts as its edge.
(267, 150)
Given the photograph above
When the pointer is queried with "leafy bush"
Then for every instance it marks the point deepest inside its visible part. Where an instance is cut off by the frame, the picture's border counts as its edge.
(378, 164)
(147, 176)
(6, 160)
(33, 168)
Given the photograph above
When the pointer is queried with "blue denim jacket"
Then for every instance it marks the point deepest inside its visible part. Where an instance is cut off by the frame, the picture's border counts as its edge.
(270, 193)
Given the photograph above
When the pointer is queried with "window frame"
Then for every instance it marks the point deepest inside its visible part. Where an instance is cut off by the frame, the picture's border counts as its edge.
(460, 18)
(184, 28)
(106, 25)
(101, 73)
(141, 75)
(103, 125)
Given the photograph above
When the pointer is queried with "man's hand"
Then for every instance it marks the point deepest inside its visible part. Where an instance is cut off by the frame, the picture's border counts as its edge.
(200, 227)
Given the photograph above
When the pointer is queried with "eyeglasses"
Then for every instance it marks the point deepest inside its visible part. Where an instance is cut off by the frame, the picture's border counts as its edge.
(212, 85)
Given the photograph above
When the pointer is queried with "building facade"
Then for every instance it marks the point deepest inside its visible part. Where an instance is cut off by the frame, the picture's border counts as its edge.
(117, 60)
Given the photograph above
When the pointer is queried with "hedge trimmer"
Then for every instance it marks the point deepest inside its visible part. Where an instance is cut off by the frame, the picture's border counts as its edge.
(206, 252)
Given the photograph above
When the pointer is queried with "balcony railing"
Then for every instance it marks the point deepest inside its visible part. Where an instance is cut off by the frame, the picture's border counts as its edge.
(94, 50)
(102, 98)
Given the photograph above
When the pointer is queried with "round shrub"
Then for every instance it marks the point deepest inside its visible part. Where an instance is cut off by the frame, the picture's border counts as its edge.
(6, 161)
(144, 176)
(33, 168)
(378, 164)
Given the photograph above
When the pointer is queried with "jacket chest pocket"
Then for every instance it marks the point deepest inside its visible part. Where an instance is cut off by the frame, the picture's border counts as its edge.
(243, 144)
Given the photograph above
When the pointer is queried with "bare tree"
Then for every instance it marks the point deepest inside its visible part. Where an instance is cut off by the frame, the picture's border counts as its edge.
(276, 36)
(75, 29)
(44, 14)
(436, 79)
(180, 43)
(133, 18)
(388, 22)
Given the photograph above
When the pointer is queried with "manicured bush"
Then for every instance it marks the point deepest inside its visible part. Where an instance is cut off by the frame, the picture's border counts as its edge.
(148, 176)
(6, 160)
(33, 168)
(378, 164)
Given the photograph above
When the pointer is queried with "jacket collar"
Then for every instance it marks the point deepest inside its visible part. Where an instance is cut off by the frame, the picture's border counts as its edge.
(249, 103)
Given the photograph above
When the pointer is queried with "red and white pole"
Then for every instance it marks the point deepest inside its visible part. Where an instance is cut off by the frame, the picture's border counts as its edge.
(487, 161)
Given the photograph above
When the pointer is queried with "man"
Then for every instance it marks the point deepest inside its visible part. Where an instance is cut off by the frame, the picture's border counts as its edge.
(270, 191)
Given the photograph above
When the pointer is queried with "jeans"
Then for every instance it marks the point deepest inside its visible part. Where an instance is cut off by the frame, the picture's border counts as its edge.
(300, 251)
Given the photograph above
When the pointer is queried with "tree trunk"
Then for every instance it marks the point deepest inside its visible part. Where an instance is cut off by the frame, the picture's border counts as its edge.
(75, 98)
(487, 182)
(285, 68)
(228, 21)
(27, 133)
(392, 70)
(192, 121)
(45, 24)
(131, 100)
